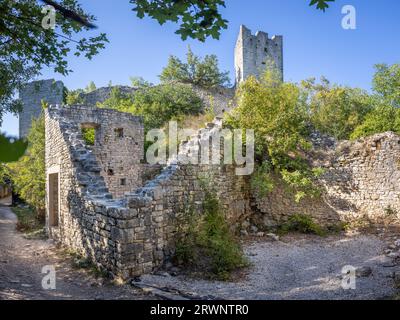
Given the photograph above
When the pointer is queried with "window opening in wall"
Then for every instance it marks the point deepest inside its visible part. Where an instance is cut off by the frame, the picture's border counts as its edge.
(123, 182)
(110, 172)
(119, 133)
(89, 133)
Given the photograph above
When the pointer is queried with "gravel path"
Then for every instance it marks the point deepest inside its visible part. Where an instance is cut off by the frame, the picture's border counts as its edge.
(21, 263)
(300, 267)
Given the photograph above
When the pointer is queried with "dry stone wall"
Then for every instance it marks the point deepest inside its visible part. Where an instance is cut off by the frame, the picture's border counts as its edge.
(134, 234)
(361, 181)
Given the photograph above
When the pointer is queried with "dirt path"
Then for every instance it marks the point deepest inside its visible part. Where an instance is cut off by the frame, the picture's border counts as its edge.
(303, 267)
(21, 263)
(298, 267)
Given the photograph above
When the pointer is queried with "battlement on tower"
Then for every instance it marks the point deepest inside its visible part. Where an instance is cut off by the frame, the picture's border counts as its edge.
(255, 53)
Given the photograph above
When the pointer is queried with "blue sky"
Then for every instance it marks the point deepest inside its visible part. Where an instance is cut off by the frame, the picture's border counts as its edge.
(315, 44)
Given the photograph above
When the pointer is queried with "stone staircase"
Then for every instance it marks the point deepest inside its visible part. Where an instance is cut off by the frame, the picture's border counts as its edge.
(85, 165)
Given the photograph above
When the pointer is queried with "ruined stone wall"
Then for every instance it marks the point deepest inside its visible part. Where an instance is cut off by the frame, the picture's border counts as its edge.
(100, 95)
(135, 234)
(118, 146)
(361, 181)
(32, 95)
(254, 54)
(219, 99)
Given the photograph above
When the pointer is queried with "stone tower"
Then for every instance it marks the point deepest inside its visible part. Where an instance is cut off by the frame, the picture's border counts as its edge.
(255, 53)
(31, 95)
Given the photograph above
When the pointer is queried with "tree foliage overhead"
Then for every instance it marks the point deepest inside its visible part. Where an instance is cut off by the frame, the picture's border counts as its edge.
(201, 72)
(198, 19)
(26, 47)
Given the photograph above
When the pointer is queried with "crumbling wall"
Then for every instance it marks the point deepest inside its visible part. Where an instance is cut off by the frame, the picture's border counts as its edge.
(132, 235)
(361, 181)
(32, 95)
(100, 95)
(118, 146)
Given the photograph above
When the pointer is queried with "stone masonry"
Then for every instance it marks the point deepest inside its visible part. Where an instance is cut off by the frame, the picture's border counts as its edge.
(104, 202)
(361, 182)
(135, 233)
(32, 95)
(255, 53)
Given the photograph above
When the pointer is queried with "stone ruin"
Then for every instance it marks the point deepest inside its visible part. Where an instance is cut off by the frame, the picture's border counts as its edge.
(106, 203)
(126, 228)
(99, 204)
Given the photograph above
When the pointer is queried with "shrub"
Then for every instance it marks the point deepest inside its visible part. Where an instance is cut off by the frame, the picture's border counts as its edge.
(89, 136)
(261, 182)
(73, 97)
(163, 103)
(28, 173)
(302, 223)
(158, 104)
(386, 83)
(208, 244)
(337, 110)
(28, 221)
(277, 112)
(202, 72)
(382, 119)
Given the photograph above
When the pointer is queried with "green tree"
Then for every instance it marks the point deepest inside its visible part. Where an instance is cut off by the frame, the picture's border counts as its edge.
(202, 72)
(386, 83)
(198, 19)
(90, 87)
(157, 104)
(277, 112)
(28, 173)
(139, 82)
(337, 110)
(382, 119)
(73, 97)
(26, 47)
(117, 101)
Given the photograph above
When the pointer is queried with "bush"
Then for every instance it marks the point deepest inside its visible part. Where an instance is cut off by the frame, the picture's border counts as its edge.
(158, 104)
(163, 103)
(73, 97)
(89, 136)
(202, 72)
(277, 112)
(302, 223)
(386, 83)
(381, 119)
(337, 110)
(28, 173)
(207, 243)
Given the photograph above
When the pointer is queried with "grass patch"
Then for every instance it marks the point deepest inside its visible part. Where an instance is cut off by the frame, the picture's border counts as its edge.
(28, 222)
(207, 245)
(302, 223)
(81, 262)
